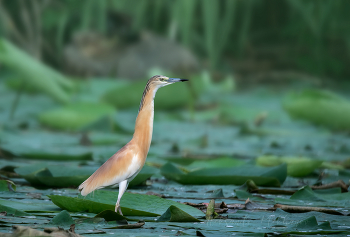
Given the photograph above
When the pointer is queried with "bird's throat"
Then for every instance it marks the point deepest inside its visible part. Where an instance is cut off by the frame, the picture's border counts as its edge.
(144, 121)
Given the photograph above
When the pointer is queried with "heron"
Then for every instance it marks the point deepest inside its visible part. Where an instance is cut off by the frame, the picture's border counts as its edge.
(126, 163)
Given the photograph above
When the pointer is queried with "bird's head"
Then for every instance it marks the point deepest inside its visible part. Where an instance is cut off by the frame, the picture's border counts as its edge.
(156, 82)
(160, 81)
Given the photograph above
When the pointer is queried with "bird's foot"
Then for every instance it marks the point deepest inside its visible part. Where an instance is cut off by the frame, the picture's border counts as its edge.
(117, 208)
(120, 211)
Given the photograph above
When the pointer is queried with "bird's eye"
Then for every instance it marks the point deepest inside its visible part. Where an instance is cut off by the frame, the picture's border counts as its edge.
(162, 79)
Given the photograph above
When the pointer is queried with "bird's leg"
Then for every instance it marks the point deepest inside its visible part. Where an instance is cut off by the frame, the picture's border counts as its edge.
(120, 211)
(117, 208)
(122, 187)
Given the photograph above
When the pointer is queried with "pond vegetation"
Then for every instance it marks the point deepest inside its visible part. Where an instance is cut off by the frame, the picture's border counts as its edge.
(230, 155)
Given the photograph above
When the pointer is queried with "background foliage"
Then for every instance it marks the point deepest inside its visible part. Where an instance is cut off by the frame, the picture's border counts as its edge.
(310, 36)
(255, 144)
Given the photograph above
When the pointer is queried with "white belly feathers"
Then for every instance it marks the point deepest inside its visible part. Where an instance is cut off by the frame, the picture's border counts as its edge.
(129, 174)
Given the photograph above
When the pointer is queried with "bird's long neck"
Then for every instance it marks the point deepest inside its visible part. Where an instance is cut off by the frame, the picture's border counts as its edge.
(144, 121)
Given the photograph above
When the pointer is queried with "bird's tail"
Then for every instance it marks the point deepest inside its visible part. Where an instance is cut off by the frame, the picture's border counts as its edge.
(84, 188)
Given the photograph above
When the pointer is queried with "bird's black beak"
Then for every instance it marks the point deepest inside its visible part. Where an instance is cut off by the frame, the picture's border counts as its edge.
(172, 80)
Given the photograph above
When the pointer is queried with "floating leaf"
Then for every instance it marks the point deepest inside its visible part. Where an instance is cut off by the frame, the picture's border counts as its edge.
(131, 204)
(320, 107)
(306, 196)
(7, 185)
(48, 153)
(12, 211)
(110, 215)
(69, 176)
(145, 173)
(63, 218)
(59, 176)
(217, 194)
(296, 166)
(243, 192)
(129, 226)
(76, 116)
(310, 222)
(30, 205)
(224, 162)
(244, 195)
(54, 176)
(44, 145)
(29, 173)
(274, 176)
(175, 214)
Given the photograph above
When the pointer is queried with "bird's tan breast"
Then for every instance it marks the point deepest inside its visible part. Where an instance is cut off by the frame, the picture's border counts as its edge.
(124, 162)
(123, 165)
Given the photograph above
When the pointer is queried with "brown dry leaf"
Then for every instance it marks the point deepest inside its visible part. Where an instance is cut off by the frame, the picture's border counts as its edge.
(19, 231)
(238, 206)
(34, 195)
(72, 228)
(249, 205)
(129, 226)
(340, 183)
(220, 211)
(292, 209)
(223, 205)
(197, 205)
(155, 194)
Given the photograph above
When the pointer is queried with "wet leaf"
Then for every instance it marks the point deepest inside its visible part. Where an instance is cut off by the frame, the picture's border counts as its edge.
(110, 215)
(145, 173)
(62, 219)
(217, 194)
(237, 175)
(69, 175)
(54, 176)
(200, 145)
(224, 162)
(30, 205)
(52, 153)
(244, 195)
(44, 145)
(175, 214)
(306, 196)
(131, 204)
(63, 176)
(29, 173)
(129, 226)
(12, 211)
(7, 185)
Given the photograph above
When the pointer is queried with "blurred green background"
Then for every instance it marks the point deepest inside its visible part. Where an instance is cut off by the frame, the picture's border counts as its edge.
(265, 70)
(267, 99)
(79, 69)
(250, 38)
